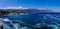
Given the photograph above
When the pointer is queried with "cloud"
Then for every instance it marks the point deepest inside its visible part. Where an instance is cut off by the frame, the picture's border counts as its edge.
(19, 7)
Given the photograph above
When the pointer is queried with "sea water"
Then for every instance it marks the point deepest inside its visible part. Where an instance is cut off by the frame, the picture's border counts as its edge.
(31, 21)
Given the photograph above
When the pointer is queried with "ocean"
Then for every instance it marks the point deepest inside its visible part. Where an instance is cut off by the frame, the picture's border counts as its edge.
(30, 21)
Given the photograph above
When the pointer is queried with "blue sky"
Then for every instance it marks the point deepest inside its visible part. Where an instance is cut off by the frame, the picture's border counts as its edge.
(8, 3)
(49, 4)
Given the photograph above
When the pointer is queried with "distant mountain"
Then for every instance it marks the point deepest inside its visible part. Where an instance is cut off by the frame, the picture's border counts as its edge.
(7, 11)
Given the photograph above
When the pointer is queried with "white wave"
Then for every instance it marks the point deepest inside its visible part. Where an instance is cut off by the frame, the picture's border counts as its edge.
(6, 20)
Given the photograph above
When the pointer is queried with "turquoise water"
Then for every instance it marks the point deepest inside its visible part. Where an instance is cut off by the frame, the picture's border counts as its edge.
(31, 21)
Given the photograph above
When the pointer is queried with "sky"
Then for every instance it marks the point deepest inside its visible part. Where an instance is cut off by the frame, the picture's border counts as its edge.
(42, 4)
